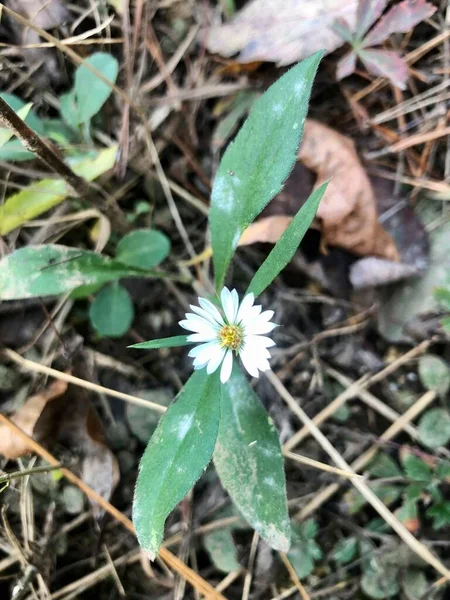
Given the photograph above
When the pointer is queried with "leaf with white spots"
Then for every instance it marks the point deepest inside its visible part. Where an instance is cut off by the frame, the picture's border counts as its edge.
(256, 165)
(249, 462)
(175, 457)
(51, 269)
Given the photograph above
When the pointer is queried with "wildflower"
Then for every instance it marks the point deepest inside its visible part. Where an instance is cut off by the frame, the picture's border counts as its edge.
(238, 330)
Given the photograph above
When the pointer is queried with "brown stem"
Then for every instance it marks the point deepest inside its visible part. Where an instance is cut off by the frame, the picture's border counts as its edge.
(34, 143)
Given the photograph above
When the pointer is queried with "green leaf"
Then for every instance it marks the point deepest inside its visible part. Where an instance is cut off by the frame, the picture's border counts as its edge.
(91, 92)
(170, 342)
(256, 165)
(440, 513)
(222, 550)
(443, 470)
(112, 311)
(68, 109)
(238, 108)
(434, 428)
(50, 270)
(381, 584)
(143, 248)
(434, 374)
(176, 455)
(287, 245)
(442, 296)
(345, 550)
(5, 133)
(47, 193)
(416, 469)
(304, 550)
(414, 491)
(249, 462)
(385, 466)
(407, 513)
(414, 584)
(32, 120)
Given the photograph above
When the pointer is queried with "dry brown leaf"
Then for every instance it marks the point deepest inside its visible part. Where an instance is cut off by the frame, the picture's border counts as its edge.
(28, 418)
(267, 230)
(281, 32)
(348, 212)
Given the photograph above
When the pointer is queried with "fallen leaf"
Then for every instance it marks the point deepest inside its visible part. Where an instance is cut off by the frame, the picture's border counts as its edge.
(30, 419)
(43, 13)
(267, 30)
(401, 18)
(348, 213)
(267, 230)
(65, 414)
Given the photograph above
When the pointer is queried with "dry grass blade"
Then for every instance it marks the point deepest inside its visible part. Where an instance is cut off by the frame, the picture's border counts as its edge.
(416, 546)
(175, 563)
(99, 389)
(354, 389)
(319, 465)
(293, 575)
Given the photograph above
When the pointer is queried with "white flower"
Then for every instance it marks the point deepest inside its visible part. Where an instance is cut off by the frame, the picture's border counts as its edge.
(239, 330)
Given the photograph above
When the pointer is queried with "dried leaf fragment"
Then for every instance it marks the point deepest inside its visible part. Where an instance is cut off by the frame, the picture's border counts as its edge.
(347, 214)
(281, 32)
(27, 418)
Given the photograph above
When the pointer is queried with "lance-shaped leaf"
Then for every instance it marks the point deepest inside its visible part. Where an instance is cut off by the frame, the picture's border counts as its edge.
(170, 342)
(45, 194)
(249, 462)
(175, 457)
(255, 166)
(285, 248)
(50, 270)
(386, 63)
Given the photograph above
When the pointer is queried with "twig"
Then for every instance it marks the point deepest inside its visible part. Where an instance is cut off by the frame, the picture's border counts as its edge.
(100, 389)
(293, 575)
(34, 143)
(354, 389)
(320, 465)
(191, 576)
(414, 544)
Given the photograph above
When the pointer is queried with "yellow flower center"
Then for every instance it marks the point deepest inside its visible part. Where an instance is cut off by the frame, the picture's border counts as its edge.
(231, 336)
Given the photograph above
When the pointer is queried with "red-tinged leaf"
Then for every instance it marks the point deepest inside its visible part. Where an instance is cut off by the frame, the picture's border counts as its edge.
(341, 27)
(385, 63)
(346, 66)
(368, 12)
(400, 19)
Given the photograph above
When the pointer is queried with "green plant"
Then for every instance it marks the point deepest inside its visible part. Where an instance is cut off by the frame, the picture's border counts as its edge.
(217, 414)
(418, 482)
(51, 270)
(305, 551)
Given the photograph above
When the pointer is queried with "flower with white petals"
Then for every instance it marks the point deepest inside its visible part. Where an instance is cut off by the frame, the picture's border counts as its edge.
(239, 329)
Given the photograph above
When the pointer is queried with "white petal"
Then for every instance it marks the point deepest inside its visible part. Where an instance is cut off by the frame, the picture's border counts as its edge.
(260, 325)
(259, 340)
(227, 366)
(198, 324)
(245, 307)
(263, 364)
(235, 297)
(227, 304)
(211, 309)
(197, 350)
(216, 357)
(249, 363)
(206, 315)
(202, 337)
(253, 313)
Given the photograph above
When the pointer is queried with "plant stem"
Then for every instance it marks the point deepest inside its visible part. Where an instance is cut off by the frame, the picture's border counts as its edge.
(34, 143)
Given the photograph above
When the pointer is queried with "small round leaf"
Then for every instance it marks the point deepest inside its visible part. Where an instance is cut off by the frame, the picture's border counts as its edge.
(143, 248)
(112, 311)
(434, 374)
(434, 428)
